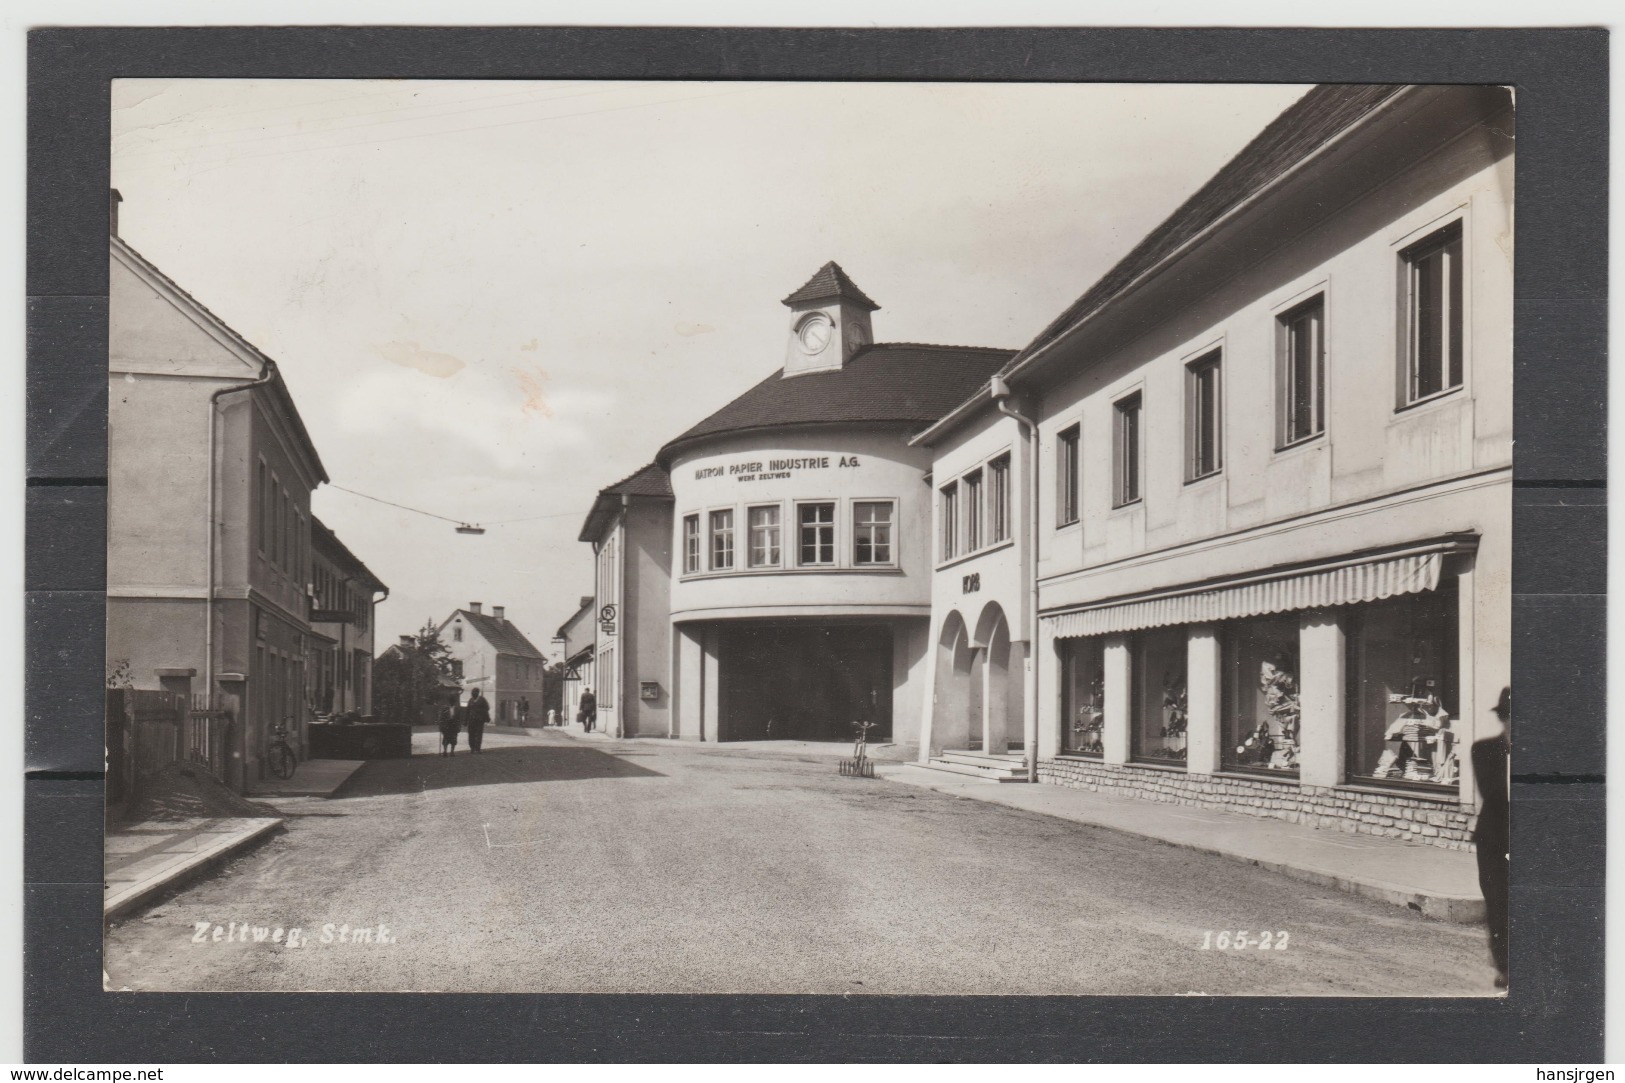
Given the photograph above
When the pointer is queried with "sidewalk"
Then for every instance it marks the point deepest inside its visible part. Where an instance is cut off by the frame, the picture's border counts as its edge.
(312, 778)
(1439, 883)
(146, 858)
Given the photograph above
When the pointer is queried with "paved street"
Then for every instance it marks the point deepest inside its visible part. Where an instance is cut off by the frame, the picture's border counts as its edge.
(561, 864)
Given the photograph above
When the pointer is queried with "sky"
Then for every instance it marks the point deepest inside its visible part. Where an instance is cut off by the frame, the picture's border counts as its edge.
(492, 299)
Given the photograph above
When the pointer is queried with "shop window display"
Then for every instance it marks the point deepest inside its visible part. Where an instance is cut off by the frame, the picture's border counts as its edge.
(1259, 708)
(1403, 690)
(1158, 712)
(1082, 697)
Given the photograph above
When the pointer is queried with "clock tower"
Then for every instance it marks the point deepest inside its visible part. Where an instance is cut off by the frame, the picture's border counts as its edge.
(829, 322)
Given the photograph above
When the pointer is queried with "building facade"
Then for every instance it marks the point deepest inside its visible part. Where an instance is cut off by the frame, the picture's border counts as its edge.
(493, 655)
(343, 595)
(210, 475)
(629, 528)
(577, 640)
(800, 592)
(1272, 515)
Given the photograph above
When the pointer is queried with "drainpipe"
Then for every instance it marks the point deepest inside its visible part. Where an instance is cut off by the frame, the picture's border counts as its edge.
(1000, 391)
(267, 374)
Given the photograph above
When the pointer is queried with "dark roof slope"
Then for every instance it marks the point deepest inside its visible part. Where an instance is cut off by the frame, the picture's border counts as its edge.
(650, 481)
(325, 542)
(899, 382)
(828, 283)
(1303, 127)
(501, 634)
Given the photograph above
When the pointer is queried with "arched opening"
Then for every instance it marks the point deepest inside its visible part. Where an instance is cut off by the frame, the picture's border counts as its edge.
(956, 714)
(1001, 683)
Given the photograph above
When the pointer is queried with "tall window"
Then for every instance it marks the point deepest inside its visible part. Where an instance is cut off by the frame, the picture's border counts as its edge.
(1301, 347)
(691, 544)
(722, 540)
(1433, 314)
(263, 495)
(1157, 708)
(1066, 476)
(457, 633)
(950, 521)
(871, 532)
(1083, 696)
(998, 472)
(763, 523)
(816, 523)
(1204, 410)
(1126, 450)
(972, 486)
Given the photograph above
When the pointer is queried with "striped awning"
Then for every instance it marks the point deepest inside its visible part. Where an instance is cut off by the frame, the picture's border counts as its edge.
(1346, 582)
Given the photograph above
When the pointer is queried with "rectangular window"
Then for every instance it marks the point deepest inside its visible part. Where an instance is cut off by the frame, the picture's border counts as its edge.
(763, 523)
(1066, 476)
(1126, 450)
(971, 485)
(722, 540)
(1205, 411)
(262, 500)
(1083, 696)
(606, 669)
(1258, 702)
(1157, 714)
(1301, 382)
(691, 544)
(999, 507)
(817, 533)
(1433, 314)
(950, 521)
(1403, 682)
(871, 532)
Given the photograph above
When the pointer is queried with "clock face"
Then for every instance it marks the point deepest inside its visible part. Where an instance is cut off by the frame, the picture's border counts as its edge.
(815, 332)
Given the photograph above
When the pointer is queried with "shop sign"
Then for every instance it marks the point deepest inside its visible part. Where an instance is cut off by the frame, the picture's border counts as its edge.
(971, 583)
(774, 469)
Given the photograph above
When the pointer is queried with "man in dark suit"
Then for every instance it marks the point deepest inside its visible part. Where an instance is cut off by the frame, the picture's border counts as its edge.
(1492, 835)
(475, 716)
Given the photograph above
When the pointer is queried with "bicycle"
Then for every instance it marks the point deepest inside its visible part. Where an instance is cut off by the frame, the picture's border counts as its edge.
(280, 756)
(860, 765)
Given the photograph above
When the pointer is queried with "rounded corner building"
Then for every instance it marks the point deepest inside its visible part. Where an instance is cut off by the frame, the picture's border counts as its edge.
(802, 525)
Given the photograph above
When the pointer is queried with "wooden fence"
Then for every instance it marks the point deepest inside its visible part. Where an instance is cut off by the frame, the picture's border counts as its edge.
(147, 730)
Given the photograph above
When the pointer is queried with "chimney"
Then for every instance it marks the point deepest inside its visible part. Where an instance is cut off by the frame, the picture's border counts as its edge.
(113, 200)
(474, 607)
(406, 641)
(496, 611)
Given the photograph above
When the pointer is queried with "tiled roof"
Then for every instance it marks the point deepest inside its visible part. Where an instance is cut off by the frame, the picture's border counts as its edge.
(651, 480)
(501, 634)
(325, 542)
(1303, 127)
(647, 481)
(828, 283)
(901, 382)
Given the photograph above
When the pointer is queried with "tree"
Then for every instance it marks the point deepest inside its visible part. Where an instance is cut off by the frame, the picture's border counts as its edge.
(407, 680)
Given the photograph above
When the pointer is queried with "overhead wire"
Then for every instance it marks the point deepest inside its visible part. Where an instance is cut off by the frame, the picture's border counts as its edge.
(447, 518)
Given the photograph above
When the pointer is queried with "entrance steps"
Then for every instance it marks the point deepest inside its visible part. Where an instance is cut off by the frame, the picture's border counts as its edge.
(991, 767)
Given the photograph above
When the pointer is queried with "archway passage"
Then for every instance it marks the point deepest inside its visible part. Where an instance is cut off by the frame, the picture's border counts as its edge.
(956, 717)
(804, 682)
(1001, 684)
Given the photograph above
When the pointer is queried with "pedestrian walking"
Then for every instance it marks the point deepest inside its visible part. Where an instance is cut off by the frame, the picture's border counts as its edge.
(476, 715)
(449, 725)
(1492, 835)
(552, 717)
(588, 711)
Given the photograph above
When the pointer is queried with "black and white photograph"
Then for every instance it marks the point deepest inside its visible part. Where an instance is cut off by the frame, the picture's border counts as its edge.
(857, 538)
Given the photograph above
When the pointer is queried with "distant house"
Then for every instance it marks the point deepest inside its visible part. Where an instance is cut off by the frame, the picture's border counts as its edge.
(578, 637)
(341, 625)
(496, 658)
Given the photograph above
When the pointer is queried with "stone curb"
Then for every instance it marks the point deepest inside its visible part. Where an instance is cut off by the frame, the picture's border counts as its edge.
(1459, 909)
(123, 902)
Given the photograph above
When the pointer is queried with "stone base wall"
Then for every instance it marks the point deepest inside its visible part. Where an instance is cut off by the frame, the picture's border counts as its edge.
(1445, 823)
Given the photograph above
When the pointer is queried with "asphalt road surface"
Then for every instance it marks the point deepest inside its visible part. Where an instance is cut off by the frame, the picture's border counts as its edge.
(563, 864)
